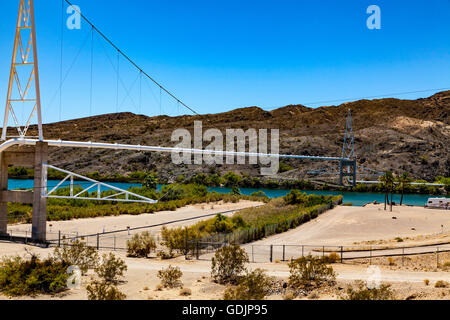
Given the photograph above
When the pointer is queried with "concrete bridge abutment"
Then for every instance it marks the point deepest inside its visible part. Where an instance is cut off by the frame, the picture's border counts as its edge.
(30, 157)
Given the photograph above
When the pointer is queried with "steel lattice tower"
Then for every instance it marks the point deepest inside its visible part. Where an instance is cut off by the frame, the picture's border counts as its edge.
(348, 149)
(348, 166)
(24, 62)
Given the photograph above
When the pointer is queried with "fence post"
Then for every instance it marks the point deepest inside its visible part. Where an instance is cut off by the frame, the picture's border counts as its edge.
(437, 257)
(197, 255)
(114, 242)
(98, 241)
(26, 237)
(303, 251)
(323, 252)
(403, 256)
(342, 254)
(284, 252)
(59, 239)
(186, 241)
(271, 253)
(370, 253)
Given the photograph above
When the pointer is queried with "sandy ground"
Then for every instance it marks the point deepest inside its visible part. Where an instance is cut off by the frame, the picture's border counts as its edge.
(344, 226)
(99, 225)
(142, 282)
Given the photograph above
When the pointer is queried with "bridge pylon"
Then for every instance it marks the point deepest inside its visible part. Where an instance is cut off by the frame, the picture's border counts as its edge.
(24, 67)
(348, 166)
(24, 72)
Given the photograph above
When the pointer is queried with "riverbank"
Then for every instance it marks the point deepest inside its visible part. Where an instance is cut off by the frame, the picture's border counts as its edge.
(355, 198)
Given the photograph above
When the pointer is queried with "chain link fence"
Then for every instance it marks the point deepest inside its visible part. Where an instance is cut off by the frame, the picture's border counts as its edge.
(201, 250)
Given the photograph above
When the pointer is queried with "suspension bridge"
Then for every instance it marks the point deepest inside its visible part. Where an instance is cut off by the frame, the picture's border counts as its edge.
(28, 151)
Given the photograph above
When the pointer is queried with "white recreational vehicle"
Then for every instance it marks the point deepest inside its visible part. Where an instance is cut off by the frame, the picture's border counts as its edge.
(438, 203)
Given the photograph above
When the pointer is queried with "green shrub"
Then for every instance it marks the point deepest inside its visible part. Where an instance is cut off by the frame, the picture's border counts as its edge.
(283, 167)
(236, 191)
(259, 194)
(176, 240)
(151, 181)
(78, 254)
(141, 245)
(296, 197)
(228, 264)
(309, 272)
(384, 292)
(170, 277)
(254, 285)
(111, 268)
(20, 277)
(100, 290)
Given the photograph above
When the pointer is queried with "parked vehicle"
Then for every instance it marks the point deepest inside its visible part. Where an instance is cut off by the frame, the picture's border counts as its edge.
(438, 203)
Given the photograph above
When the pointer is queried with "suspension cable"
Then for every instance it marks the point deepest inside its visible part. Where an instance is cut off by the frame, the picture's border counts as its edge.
(92, 71)
(117, 86)
(61, 61)
(120, 52)
(140, 92)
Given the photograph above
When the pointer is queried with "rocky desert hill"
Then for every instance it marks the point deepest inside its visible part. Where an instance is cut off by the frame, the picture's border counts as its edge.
(399, 135)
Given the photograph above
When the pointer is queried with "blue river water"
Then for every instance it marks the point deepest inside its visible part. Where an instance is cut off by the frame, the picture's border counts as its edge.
(356, 198)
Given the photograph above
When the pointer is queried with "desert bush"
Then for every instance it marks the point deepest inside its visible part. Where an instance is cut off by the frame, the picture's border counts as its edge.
(20, 277)
(111, 268)
(254, 285)
(228, 264)
(383, 292)
(176, 240)
(78, 254)
(426, 282)
(141, 245)
(101, 290)
(259, 194)
(185, 292)
(441, 284)
(332, 258)
(170, 277)
(289, 296)
(309, 271)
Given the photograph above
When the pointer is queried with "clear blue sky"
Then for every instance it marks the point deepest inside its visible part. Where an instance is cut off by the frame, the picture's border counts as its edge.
(220, 55)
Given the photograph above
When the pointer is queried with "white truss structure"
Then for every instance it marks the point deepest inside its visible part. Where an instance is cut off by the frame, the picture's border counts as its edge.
(348, 149)
(24, 58)
(91, 185)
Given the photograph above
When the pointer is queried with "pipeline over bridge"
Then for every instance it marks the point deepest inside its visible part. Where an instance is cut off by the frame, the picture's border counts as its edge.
(36, 155)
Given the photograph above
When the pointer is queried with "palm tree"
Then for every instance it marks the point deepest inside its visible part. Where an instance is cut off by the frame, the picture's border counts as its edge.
(403, 181)
(392, 180)
(387, 181)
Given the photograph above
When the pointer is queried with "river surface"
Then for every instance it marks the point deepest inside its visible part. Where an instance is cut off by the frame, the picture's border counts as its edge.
(356, 198)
